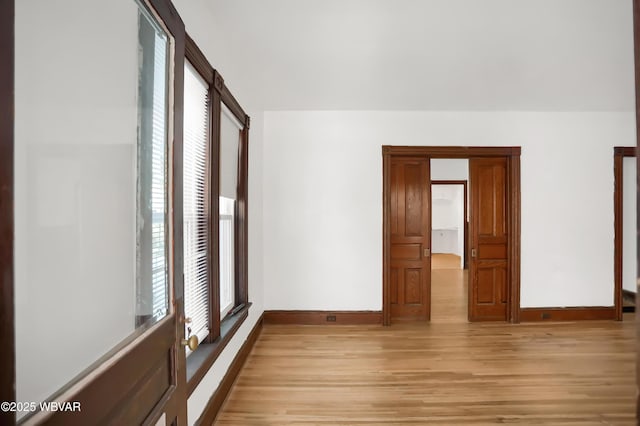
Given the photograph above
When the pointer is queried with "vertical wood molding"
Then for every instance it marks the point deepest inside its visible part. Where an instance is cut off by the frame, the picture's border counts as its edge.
(386, 237)
(636, 56)
(617, 234)
(216, 401)
(7, 320)
(618, 196)
(514, 237)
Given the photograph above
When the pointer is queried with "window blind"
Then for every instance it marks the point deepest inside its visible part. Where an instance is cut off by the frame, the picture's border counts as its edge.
(196, 212)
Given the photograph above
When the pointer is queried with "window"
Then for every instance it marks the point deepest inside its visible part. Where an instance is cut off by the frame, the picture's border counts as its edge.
(197, 274)
(151, 220)
(227, 255)
(230, 134)
(215, 152)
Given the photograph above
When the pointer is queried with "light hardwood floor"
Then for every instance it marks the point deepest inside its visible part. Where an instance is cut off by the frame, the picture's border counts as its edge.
(446, 372)
(448, 289)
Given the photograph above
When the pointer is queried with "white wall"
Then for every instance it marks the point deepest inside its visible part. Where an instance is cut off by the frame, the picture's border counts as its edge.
(449, 168)
(447, 220)
(201, 23)
(75, 138)
(323, 200)
(629, 220)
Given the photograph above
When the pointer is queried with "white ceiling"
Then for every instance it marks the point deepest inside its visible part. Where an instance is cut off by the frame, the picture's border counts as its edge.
(431, 54)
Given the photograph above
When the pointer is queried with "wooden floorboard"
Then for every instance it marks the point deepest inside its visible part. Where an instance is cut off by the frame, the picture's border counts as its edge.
(445, 374)
(448, 290)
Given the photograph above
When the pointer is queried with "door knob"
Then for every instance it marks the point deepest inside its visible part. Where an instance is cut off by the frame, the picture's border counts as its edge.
(473, 252)
(192, 342)
(426, 252)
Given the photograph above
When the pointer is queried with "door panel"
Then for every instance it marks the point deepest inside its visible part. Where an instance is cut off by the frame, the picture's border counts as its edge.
(140, 377)
(488, 267)
(410, 195)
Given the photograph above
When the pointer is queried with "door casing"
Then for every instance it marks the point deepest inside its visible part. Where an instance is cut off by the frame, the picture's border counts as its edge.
(512, 154)
(618, 156)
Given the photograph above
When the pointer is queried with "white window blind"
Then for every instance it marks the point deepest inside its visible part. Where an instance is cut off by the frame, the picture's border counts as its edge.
(196, 212)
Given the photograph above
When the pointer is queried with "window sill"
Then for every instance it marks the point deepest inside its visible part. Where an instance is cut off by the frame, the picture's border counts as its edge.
(201, 360)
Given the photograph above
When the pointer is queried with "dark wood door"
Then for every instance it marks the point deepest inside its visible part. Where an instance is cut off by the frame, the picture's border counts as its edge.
(410, 226)
(488, 277)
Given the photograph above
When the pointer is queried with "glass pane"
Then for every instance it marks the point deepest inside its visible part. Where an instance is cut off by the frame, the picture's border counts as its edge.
(227, 255)
(90, 185)
(229, 152)
(151, 220)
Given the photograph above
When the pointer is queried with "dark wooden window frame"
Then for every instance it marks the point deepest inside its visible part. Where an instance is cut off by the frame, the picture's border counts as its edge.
(513, 195)
(221, 330)
(7, 321)
(618, 156)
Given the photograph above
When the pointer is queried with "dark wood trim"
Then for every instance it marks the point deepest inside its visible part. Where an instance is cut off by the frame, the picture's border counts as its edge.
(242, 222)
(628, 294)
(514, 213)
(234, 106)
(212, 350)
(386, 237)
(513, 188)
(636, 57)
(323, 317)
(452, 151)
(103, 388)
(216, 401)
(465, 224)
(568, 314)
(618, 193)
(175, 405)
(199, 61)
(214, 206)
(7, 320)
(625, 151)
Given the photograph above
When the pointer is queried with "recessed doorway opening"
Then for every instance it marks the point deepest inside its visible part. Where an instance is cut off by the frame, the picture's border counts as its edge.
(449, 240)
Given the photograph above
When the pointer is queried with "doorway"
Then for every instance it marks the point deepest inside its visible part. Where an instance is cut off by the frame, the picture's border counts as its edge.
(449, 242)
(494, 278)
(624, 208)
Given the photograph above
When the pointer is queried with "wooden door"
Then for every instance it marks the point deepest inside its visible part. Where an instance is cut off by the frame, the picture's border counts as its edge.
(488, 277)
(410, 220)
